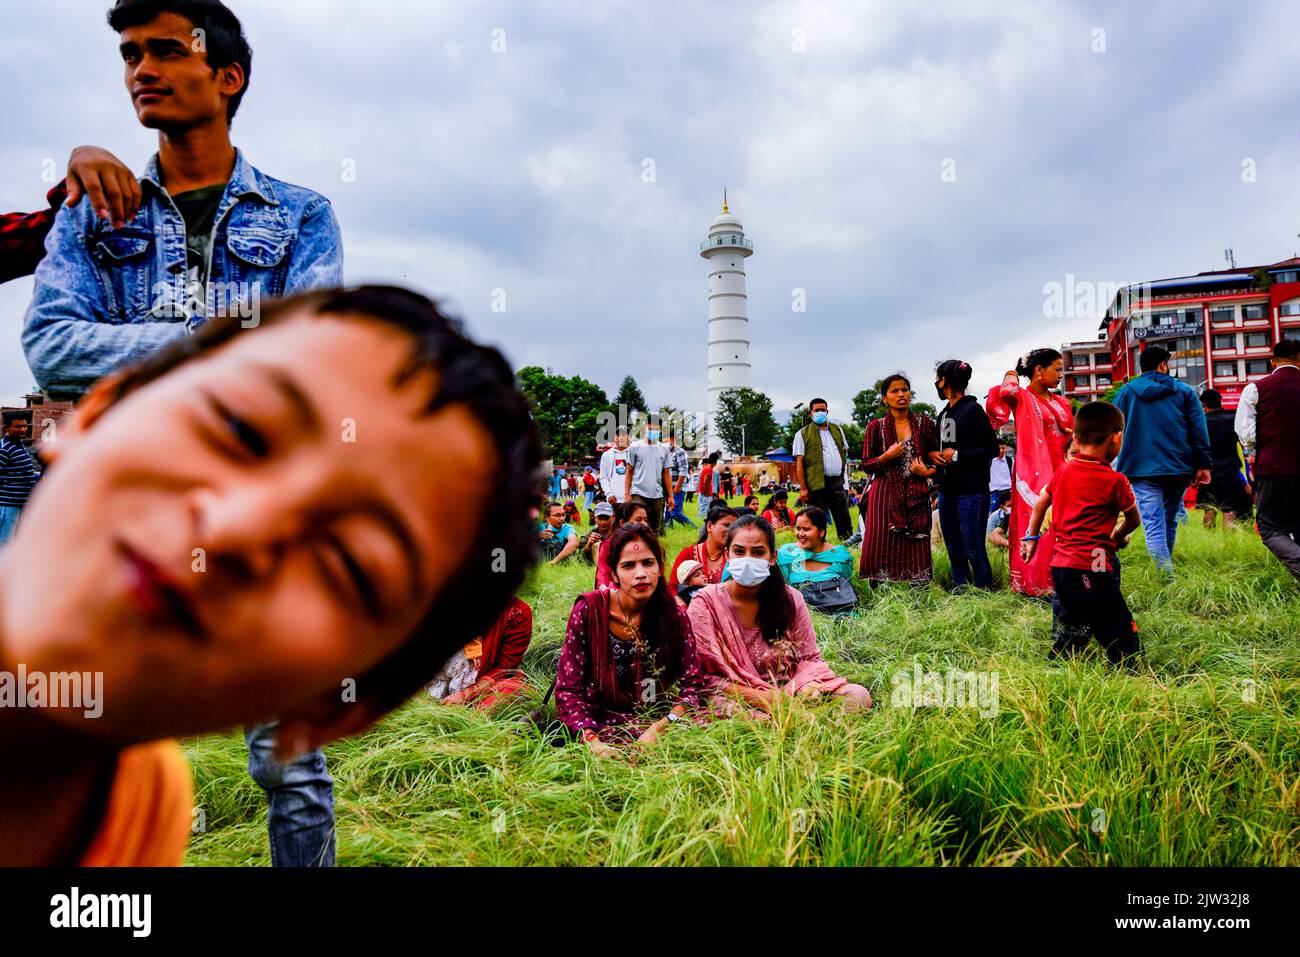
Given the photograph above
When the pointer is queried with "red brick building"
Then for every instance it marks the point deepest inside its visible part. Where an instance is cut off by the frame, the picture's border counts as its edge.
(1220, 327)
(1087, 369)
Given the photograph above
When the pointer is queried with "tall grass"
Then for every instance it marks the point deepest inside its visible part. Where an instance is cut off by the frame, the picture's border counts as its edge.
(1194, 760)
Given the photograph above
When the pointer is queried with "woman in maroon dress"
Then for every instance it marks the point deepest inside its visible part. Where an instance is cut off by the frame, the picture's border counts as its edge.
(896, 544)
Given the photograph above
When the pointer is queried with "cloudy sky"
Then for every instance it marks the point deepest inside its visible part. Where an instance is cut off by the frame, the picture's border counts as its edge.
(920, 171)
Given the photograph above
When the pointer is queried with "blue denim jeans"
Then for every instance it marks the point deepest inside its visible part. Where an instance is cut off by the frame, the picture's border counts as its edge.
(300, 798)
(963, 520)
(703, 511)
(676, 514)
(9, 515)
(1158, 500)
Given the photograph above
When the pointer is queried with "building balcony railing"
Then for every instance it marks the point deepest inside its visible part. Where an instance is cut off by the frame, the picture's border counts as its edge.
(721, 242)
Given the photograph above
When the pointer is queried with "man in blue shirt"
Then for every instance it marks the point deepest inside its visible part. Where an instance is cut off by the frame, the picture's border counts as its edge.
(17, 473)
(557, 537)
(1166, 448)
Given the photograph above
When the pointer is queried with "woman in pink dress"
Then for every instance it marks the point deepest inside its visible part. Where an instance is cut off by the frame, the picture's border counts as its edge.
(1044, 429)
(756, 637)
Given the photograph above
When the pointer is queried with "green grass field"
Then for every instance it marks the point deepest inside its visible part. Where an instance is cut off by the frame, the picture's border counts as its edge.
(1193, 761)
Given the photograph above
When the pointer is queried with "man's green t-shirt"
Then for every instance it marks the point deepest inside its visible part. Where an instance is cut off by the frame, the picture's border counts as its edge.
(199, 209)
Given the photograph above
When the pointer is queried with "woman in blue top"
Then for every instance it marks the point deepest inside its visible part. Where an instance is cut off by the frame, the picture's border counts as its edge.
(812, 558)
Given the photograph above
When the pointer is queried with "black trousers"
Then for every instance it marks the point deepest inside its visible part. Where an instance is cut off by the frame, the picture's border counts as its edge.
(1277, 509)
(1088, 604)
(834, 501)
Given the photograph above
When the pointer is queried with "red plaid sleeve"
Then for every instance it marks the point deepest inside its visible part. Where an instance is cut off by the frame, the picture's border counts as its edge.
(22, 236)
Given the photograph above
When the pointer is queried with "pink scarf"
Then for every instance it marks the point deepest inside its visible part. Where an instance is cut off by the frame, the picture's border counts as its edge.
(722, 649)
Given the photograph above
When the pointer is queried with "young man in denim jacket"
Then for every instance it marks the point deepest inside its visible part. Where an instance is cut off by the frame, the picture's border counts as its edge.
(213, 235)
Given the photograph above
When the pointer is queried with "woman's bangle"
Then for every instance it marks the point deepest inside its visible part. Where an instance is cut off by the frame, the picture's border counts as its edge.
(1031, 538)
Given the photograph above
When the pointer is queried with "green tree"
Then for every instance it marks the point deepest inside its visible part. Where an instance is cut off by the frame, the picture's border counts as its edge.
(630, 397)
(745, 422)
(568, 411)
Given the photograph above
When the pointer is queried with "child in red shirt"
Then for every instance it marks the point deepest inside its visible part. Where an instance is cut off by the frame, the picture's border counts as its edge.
(1087, 496)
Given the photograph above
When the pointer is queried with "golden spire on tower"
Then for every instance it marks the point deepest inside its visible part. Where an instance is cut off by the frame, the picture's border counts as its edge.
(724, 200)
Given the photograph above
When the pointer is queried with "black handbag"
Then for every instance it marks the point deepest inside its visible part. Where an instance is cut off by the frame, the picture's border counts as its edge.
(540, 718)
(836, 597)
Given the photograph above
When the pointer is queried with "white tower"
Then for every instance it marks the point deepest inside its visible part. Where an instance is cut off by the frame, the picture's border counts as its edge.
(726, 249)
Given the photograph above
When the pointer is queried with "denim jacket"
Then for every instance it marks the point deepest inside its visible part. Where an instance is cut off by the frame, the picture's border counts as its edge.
(106, 298)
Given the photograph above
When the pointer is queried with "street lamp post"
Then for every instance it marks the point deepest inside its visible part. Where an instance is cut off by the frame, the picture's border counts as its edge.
(742, 441)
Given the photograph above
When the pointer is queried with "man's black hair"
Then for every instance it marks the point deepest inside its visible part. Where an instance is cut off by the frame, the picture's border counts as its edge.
(817, 401)
(1211, 399)
(15, 415)
(223, 35)
(1287, 349)
(1096, 422)
(1152, 357)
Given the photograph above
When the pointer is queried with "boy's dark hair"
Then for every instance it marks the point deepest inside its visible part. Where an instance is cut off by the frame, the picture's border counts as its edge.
(1211, 399)
(1152, 357)
(1038, 359)
(223, 34)
(955, 374)
(470, 375)
(1097, 421)
(16, 415)
(1002, 497)
(818, 401)
(1287, 349)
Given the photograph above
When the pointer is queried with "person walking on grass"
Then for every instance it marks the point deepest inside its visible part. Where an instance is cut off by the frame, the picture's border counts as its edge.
(708, 485)
(613, 467)
(1087, 497)
(1267, 418)
(1168, 448)
(1228, 489)
(679, 471)
(648, 480)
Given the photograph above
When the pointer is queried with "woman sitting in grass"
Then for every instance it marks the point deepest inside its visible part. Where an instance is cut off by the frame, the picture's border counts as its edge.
(628, 668)
(236, 563)
(755, 633)
(711, 550)
(488, 669)
(778, 513)
(822, 572)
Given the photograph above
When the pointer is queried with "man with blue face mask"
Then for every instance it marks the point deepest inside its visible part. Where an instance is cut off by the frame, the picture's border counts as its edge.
(648, 481)
(821, 455)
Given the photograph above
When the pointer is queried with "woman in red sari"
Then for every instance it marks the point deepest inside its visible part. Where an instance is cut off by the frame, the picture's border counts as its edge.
(628, 667)
(1044, 428)
(896, 544)
(489, 669)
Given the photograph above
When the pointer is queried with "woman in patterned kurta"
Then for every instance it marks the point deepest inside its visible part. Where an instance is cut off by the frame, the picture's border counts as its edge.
(629, 658)
(1044, 429)
(896, 544)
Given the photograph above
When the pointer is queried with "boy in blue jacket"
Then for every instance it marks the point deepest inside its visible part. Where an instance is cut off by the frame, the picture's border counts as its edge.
(1166, 448)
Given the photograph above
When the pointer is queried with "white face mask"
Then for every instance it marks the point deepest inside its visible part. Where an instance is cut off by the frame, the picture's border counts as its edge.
(749, 571)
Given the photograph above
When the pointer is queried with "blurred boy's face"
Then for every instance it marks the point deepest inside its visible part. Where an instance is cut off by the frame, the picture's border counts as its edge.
(697, 578)
(274, 530)
(604, 523)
